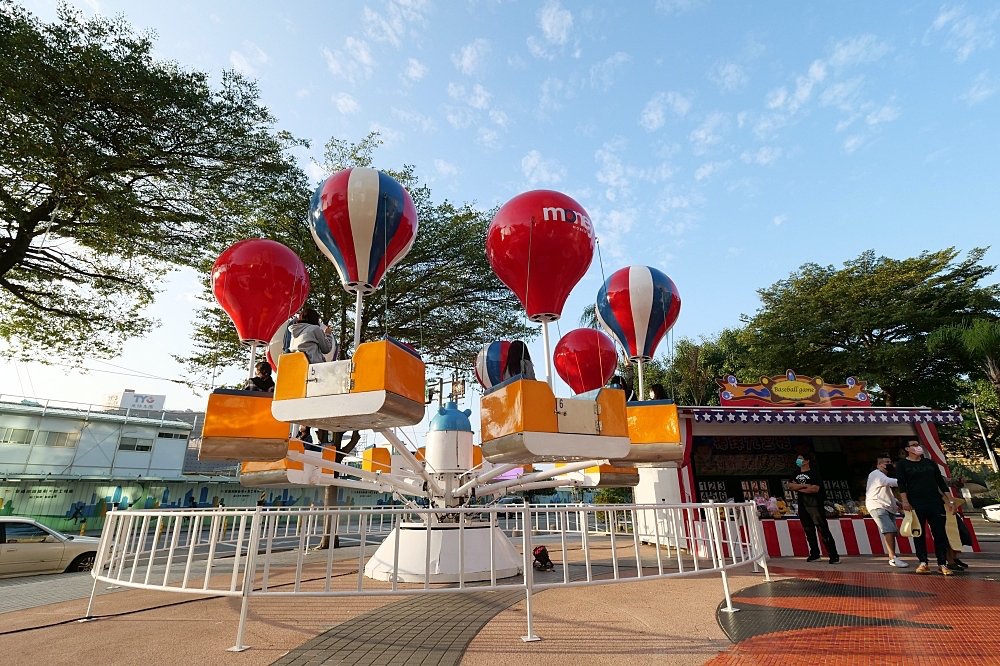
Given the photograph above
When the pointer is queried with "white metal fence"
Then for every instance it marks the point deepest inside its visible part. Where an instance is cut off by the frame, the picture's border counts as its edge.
(270, 551)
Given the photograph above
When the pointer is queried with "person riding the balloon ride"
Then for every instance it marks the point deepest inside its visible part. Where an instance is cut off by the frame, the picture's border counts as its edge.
(658, 392)
(310, 338)
(262, 381)
(518, 362)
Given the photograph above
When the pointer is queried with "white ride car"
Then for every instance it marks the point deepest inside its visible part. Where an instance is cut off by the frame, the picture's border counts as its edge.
(27, 547)
(992, 513)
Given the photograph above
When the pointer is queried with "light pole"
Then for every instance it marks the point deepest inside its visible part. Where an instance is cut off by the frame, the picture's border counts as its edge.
(989, 449)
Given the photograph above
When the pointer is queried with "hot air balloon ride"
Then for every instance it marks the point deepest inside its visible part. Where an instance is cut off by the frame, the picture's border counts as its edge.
(637, 306)
(540, 244)
(364, 222)
(259, 283)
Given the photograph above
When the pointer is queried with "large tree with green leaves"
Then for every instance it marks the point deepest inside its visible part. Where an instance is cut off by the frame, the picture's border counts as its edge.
(442, 298)
(871, 319)
(114, 168)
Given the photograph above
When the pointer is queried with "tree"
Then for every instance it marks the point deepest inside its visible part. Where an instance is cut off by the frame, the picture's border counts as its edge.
(114, 168)
(978, 339)
(443, 298)
(871, 319)
(963, 440)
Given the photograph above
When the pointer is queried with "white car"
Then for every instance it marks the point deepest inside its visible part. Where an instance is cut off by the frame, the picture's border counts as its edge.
(992, 513)
(27, 547)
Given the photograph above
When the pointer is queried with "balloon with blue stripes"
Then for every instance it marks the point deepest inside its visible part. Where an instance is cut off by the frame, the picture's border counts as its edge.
(637, 306)
(365, 222)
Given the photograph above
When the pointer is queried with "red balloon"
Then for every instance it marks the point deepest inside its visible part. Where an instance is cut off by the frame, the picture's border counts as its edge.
(260, 283)
(586, 359)
(540, 244)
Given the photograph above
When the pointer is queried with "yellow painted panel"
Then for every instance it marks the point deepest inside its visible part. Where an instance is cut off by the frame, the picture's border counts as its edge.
(419, 455)
(242, 416)
(384, 366)
(610, 469)
(477, 456)
(369, 366)
(613, 416)
(522, 406)
(653, 424)
(377, 459)
(293, 370)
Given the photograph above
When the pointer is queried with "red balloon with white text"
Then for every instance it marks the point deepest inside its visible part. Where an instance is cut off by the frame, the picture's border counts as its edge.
(540, 244)
(586, 359)
(260, 283)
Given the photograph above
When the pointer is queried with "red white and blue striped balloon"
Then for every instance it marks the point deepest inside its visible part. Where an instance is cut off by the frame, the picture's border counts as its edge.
(490, 363)
(637, 306)
(365, 222)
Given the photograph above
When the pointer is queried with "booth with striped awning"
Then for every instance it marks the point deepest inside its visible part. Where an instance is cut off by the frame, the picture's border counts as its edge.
(739, 453)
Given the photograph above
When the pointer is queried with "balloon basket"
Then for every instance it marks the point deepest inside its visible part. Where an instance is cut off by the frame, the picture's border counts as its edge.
(523, 422)
(282, 472)
(605, 476)
(381, 387)
(239, 426)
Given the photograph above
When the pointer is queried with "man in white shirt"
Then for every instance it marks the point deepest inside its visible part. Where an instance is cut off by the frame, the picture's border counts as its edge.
(881, 504)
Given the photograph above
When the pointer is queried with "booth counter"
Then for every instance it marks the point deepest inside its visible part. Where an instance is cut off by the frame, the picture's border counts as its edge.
(746, 453)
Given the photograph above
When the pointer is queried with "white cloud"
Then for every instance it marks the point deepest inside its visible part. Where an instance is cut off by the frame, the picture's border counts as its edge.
(882, 115)
(414, 70)
(729, 76)
(488, 137)
(392, 26)
(445, 169)
(315, 172)
(857, 51)
(611, 226)
(553, 92)
(354, 63)
(654, 113)
(470, 56)
(966, 33)
(852, 143)
(602, 75)
(499, 118)
(709, 169)
(302, 92)
(982, 88)
(540, 171)
(555, 22)
(678, 7)
(779, 220)
(388, 135)
(214, 18)
(764, 156)
(619, 177)
(346, 104)
(478, 98)
(247, 63)
(842, 94)
(708, 133)
(460, 117)
(425, 123)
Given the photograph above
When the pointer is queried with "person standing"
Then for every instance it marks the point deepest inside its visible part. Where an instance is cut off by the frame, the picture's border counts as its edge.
(811, 497)
(921, 489)
(882, 505)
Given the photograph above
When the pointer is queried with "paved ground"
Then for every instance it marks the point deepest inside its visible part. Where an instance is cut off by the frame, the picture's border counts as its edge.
(860, 612)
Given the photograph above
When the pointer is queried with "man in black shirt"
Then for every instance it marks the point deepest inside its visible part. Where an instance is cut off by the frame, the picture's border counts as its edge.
(921, 489)
(809, 486)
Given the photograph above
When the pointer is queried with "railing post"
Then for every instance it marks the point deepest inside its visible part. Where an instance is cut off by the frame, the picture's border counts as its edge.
(528, 571)
(758, 529)
(248, 576)
(720, 555)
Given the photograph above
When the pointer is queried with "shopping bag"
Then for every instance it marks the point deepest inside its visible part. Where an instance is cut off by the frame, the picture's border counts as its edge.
(910, 526)
(951, 529)
(963, 531)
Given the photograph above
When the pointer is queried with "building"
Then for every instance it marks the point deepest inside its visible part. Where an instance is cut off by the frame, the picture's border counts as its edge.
(66, 464)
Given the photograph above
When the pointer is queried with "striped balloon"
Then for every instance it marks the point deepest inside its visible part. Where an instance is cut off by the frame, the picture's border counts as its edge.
(365, 222)
(490, 363)
(637, 306)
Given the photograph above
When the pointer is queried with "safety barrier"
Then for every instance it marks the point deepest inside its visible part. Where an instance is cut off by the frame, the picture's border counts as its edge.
(272, 551)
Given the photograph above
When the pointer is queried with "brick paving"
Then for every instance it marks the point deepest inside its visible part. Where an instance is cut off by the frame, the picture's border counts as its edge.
(852, 618)
(429, 630)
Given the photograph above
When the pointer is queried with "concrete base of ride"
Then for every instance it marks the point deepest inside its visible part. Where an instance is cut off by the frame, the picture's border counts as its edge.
(444, 554)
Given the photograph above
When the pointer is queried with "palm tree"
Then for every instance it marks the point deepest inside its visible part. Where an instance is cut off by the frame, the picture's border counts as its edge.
(979, 338)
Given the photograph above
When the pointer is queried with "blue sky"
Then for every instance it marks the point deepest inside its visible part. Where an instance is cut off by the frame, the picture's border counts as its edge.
(725, 143)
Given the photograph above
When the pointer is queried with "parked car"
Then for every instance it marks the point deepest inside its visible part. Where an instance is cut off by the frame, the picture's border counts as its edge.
(992, 513)
(513, 504)
(27, 547)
